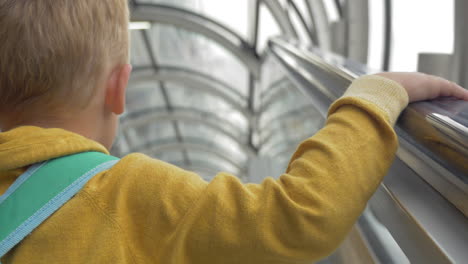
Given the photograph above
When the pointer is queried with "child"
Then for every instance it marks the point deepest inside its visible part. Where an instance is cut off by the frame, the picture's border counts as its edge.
(63, 75)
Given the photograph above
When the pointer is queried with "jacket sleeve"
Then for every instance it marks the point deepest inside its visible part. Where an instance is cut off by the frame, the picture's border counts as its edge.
(301, 217)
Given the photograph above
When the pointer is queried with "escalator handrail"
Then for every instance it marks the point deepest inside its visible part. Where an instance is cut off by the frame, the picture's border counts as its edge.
(436, 131)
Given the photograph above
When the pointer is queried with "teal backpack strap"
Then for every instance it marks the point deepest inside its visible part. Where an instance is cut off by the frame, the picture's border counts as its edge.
(42, 190)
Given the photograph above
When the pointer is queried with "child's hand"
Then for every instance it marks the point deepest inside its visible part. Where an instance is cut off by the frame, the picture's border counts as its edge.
(422, 87)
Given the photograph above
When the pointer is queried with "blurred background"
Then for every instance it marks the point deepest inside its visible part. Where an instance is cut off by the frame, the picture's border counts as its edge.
(235, 85)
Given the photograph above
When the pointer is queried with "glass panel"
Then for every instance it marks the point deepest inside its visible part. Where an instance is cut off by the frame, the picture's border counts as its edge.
(177, 47)
(232, 14)
(139, 138)
(213, 139)
(138, 53)
(287, 116)
(144, 95)
(376, 34)
(272, 74)
(294, 128)
(190, 98)
(431, 31)
(299, 26)
(276, 89)
(289, 100)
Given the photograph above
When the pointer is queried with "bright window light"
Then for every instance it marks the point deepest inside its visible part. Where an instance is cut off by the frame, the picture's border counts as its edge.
(432, 30)
(376, 34)
(140, 25)
(268, 27)
(332, 12)
(231, 13)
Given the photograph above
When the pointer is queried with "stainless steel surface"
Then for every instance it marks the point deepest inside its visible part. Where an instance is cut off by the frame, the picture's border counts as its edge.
(440, 128)
(427, 227)
(325, 78)
(379, 241)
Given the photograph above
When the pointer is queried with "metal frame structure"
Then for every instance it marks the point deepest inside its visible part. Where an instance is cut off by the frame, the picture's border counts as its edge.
(245, 49)
(281, 17)
(169, 73)
(142, 118)
(192, 117)
(158, 13)
(320, 19)
(195, 81)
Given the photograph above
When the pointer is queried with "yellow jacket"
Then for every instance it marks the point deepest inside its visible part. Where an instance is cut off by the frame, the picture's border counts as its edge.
(146, 211)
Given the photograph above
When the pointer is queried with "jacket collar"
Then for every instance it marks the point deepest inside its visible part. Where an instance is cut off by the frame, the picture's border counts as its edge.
(27, 145)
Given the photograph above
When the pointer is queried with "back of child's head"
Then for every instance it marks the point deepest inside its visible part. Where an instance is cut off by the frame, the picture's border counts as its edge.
(55, 52)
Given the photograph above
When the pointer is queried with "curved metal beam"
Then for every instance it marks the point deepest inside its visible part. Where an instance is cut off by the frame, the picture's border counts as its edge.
(281, 17)
(141, 118)
(191, 75)
(276, 94)
(307, 28)
(388, 28)
(273, 87)
(253, 22)
(309, 108)
(339, 8)
(192, 21)
(189, 79)
(319, 16)
(188, 115)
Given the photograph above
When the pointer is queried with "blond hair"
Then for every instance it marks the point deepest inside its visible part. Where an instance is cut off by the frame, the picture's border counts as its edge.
(56, 51)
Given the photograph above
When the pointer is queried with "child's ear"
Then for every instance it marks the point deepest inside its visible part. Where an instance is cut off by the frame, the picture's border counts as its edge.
(116, 88)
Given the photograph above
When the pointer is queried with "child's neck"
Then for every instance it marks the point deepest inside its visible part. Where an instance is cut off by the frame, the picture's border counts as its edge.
(81, 125)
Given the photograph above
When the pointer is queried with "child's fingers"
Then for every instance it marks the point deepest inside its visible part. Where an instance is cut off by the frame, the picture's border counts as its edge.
(421, 86)
(453, 89)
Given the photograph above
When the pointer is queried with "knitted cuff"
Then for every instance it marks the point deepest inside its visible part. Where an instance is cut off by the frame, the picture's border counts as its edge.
(386, 94)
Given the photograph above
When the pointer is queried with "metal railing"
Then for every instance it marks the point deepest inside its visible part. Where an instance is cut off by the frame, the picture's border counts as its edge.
(423, 202)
